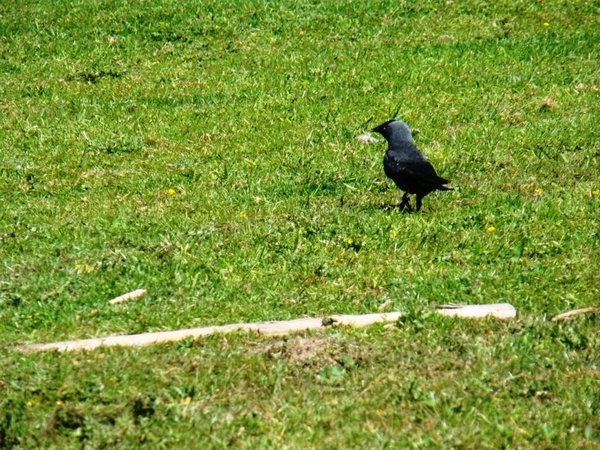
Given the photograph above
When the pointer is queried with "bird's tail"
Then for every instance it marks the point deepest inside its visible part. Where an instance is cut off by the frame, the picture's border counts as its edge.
(442, 182)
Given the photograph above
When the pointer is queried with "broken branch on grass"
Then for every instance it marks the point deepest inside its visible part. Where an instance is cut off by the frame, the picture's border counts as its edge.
(263, 328)
(497, 310)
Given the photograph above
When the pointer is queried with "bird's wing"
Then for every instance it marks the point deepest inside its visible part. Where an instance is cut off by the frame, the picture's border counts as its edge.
(421, 172)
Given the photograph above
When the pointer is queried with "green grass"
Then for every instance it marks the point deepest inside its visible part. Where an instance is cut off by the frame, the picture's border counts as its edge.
(207, 152)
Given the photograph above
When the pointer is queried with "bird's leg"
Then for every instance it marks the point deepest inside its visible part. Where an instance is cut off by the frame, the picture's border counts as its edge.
(405, 203)
(419, 202)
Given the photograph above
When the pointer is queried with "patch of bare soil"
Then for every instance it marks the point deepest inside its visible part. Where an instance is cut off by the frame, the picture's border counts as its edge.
(304, 350)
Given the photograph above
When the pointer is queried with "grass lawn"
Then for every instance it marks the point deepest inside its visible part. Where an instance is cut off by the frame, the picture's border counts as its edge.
(208, 152)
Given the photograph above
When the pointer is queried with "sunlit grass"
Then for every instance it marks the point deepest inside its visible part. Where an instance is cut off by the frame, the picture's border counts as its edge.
(209, 153)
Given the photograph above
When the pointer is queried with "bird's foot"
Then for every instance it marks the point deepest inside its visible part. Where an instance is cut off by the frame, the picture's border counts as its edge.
(405, 207)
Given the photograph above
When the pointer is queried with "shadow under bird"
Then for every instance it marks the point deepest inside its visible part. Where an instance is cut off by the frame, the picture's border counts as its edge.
(406, 165)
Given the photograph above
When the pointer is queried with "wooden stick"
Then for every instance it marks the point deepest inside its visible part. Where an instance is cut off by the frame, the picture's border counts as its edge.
(497, 310)
(264, 328)
(126, 297)
(575, 312)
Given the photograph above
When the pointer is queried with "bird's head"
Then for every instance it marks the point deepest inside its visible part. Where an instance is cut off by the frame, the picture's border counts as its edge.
(394, 131)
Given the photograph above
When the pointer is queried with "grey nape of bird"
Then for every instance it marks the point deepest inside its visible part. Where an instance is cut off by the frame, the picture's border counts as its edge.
(406, 165)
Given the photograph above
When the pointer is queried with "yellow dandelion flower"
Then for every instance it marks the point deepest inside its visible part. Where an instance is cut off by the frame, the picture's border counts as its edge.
(546, 24)
(491, 229)
(595, 192)
(350, 241)
(393, 233)
(83, 268)
(128, 86)
(186, 401)
(242, 215)
(30, 403)
(538, 191)
(171, 191)
(59, 403)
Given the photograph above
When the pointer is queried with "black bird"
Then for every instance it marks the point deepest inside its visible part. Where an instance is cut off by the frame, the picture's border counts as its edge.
(406, 165)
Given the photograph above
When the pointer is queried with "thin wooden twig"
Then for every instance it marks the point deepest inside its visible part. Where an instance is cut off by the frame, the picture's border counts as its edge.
(126, 297)
(575, 312)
